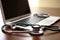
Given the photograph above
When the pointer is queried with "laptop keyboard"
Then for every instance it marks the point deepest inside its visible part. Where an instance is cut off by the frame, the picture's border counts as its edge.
(21, 22)
(29, 20)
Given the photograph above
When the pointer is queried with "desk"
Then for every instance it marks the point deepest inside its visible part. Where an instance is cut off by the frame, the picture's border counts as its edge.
(48, 35)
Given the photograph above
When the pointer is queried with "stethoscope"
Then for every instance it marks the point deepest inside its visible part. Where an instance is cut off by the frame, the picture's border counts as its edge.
(33, 29)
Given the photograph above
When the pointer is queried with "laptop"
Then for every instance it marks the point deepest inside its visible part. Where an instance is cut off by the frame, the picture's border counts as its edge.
(17, 11)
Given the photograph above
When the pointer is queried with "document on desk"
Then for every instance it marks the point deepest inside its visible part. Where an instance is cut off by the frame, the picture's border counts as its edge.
(49, 21)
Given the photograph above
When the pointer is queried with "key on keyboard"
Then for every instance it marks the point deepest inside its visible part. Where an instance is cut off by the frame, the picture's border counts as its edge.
(49, 21)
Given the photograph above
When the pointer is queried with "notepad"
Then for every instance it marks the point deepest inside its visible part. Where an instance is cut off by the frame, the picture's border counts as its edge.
(49, 21)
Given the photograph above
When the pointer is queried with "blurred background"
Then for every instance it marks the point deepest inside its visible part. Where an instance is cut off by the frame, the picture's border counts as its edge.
(45, 6)
(45, 3)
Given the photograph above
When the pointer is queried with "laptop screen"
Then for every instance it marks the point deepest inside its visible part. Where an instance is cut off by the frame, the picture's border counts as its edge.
(14, 8)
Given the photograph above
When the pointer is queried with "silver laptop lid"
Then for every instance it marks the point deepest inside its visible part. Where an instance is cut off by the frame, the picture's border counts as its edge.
(14, 9)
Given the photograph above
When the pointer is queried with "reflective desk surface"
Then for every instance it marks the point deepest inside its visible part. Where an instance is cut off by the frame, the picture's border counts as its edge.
(48, 35)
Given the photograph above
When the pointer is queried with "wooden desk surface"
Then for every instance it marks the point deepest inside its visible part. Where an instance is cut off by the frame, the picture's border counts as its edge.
(48, 35)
